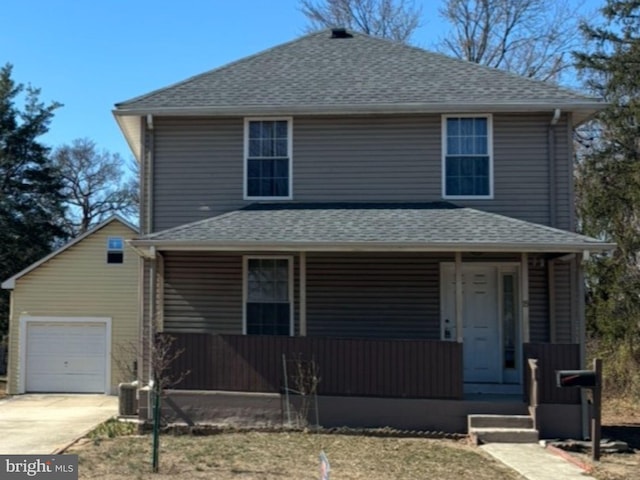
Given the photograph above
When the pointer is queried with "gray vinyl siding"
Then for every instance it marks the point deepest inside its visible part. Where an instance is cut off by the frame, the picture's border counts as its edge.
(538, 305)
(564, 306)
(198, 164)
(373, 296)
(203, 293)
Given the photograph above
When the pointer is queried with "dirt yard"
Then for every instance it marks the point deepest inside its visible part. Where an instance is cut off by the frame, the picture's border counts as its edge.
(620, 421)
(254, 455)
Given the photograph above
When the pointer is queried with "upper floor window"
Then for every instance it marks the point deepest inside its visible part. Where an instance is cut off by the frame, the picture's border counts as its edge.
(115, 250)
(467, 157)
(268, 158)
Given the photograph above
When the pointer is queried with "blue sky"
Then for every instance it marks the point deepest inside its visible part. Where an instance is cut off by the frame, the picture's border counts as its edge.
(90, 54)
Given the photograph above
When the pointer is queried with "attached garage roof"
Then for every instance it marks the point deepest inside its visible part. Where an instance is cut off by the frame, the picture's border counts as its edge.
(436, 226)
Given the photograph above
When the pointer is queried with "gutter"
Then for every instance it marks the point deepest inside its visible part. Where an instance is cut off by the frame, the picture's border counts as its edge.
(374, 246)
(350, 109)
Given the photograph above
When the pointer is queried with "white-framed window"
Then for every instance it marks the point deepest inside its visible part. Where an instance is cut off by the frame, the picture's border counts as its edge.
(467, 156)
(115, 250)
(267, 154)
(268, 295)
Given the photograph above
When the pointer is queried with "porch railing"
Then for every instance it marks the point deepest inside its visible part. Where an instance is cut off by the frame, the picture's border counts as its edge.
(540, 382)
(351, 367)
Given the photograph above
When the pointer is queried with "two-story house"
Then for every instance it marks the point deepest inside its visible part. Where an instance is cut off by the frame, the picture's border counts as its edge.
(401, 218)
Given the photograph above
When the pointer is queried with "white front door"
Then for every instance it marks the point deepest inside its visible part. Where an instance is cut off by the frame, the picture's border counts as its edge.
(481, 329)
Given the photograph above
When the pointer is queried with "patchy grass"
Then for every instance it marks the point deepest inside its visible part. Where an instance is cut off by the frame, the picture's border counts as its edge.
(260, 455)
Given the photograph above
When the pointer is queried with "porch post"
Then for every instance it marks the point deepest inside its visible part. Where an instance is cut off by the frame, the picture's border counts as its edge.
(524, 288)
(580, 292)
(551, 286)
(303, 294)
(459, 321)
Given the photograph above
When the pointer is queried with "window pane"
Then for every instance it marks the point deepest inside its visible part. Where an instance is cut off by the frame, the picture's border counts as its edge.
(481, 186)
(115, 243)
(267, 148)
(253, 187)
(453, 127)
(453, 145)
(466, 167)
(466, 145)
(281, 168)
(281, 148)
(452, 186)
(254, 130)
(466, 127)
(481, 167)
(268, 130)
(281, 129)
(254, 148)
(481, 126)
(481, 145)
(453, 167)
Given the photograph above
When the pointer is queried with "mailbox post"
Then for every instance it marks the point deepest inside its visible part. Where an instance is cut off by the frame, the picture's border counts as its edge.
(587, 379)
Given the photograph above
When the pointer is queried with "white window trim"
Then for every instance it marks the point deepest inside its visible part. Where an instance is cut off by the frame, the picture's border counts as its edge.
(245, 286)
(289, 121)
(22, 345)
(489, 118)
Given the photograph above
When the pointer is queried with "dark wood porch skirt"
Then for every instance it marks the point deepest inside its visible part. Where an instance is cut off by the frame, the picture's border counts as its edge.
(352, 367)
(552, 357)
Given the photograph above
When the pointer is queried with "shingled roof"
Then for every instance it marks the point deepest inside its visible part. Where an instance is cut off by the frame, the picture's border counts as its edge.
(317, 73)
(438, 226)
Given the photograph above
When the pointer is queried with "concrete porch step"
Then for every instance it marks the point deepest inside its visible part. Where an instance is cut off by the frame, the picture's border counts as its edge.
(499, 421)
(502, 429)
(503, 435)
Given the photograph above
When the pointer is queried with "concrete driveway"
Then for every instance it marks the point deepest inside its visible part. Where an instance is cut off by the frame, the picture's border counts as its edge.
(41, 424)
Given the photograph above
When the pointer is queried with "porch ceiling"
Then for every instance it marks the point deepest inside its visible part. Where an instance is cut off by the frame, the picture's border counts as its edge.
(428, 227)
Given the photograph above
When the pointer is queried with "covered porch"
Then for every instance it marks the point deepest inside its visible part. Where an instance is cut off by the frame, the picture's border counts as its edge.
(423, 303)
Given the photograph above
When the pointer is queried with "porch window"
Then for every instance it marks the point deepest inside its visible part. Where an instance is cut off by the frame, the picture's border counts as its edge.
(268, 296)
(268, 158)
(467, 157)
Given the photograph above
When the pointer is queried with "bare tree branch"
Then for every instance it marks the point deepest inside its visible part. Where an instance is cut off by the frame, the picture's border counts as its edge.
(392, 19)
(532, 38)
(96, 184)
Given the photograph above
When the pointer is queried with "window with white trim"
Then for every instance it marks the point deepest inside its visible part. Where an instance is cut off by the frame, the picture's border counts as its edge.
(115, 250)
(268, 158)
(268, 296)
(467, 157)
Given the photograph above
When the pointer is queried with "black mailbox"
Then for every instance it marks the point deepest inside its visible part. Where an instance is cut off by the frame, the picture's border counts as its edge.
(576, 378)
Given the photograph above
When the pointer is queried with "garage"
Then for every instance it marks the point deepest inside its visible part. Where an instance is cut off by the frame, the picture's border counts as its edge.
(68, 355)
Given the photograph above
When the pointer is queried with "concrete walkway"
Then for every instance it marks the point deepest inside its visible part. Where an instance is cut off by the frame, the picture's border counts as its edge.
(41, 424)
(534, 462)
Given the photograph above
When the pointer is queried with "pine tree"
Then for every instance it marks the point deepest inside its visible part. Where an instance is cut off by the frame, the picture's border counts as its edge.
(31, 211)
(608, 188)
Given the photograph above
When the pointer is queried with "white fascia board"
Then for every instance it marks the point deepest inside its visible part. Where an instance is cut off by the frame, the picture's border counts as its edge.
(397, 108)
(374, 247)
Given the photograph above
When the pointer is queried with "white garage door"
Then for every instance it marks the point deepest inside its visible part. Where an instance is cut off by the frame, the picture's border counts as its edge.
(66, 357)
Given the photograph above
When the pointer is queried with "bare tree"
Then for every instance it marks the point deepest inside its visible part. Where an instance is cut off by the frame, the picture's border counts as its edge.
(392, 19)
(533, 38)
(96, 184)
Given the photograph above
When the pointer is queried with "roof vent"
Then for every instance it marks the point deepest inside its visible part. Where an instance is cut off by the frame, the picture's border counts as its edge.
(340, 33)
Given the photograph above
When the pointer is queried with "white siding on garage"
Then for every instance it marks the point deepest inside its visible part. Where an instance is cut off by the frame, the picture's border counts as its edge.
(66, 357)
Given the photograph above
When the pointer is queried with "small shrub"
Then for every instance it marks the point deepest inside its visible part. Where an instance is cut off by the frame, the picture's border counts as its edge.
(112, 428)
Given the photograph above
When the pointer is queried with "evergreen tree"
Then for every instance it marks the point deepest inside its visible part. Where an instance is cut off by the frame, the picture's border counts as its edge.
(608, 188)
(31, 212)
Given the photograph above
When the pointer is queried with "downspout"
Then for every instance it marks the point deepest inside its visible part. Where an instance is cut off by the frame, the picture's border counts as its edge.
(151, 330)
(149, 174)
(551, 154)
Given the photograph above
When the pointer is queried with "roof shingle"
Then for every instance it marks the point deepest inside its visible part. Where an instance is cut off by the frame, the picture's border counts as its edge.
(318, 71)
(437, 224)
